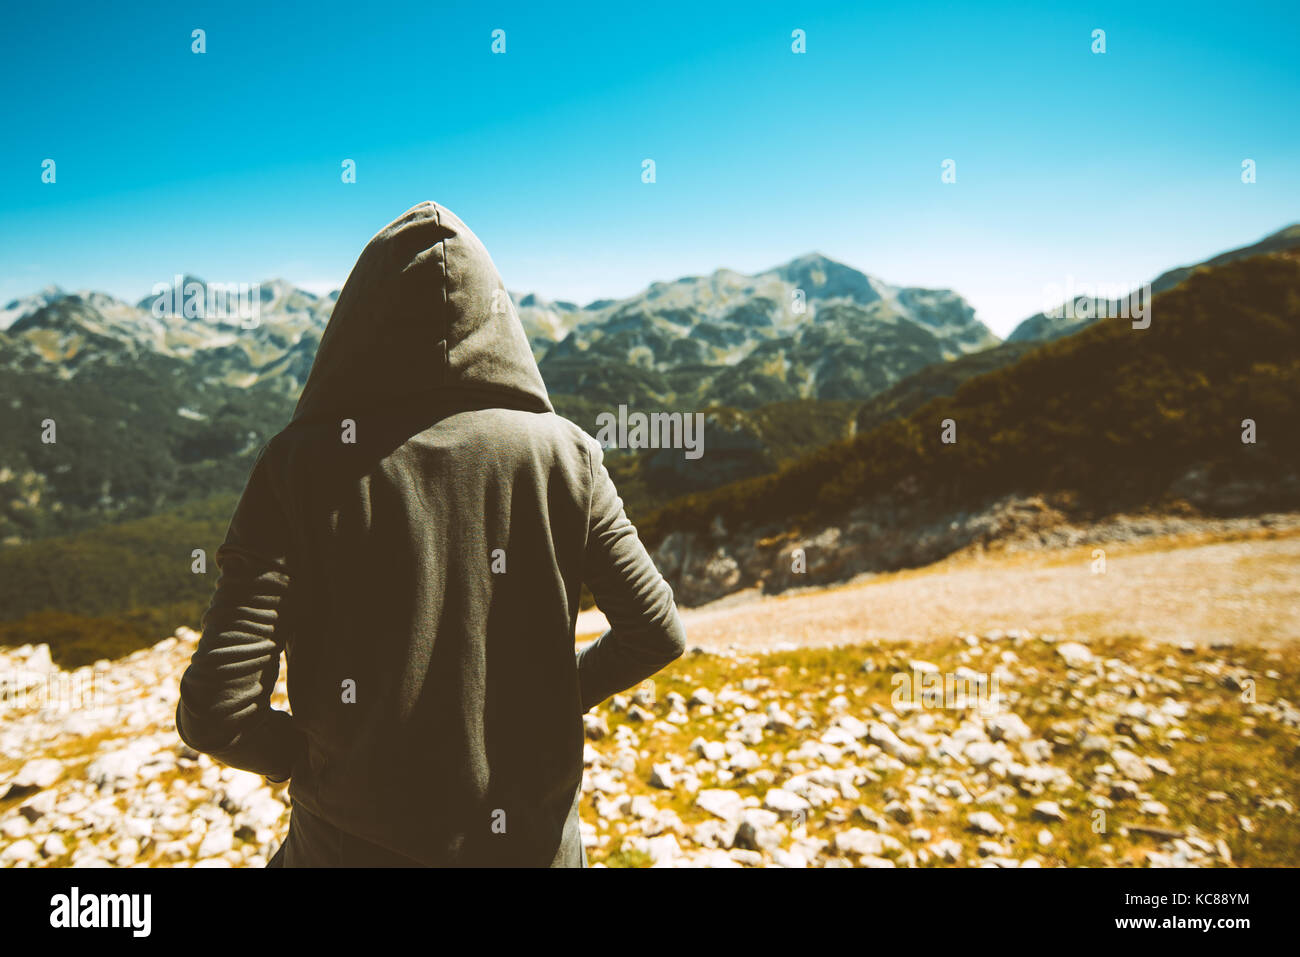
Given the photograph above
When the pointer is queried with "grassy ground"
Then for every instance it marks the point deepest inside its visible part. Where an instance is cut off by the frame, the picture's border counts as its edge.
(1246, 751)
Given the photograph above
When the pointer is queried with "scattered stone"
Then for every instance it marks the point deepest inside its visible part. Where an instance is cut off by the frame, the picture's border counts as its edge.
(1075, 654)
(661, 776)
(893, 745)
(785, 803)
(1008, 727)
(702, 696)
(37, 773)
(984, 823)
(1131, 766)
(899, 811)
(1048, 811)
(663, 849)
(723, 804)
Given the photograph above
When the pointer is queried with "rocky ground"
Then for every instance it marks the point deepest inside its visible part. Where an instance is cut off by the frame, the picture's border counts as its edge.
(1126, 753)
(1170, 580)
(706, 565)
(92, 773)
(1118, 752)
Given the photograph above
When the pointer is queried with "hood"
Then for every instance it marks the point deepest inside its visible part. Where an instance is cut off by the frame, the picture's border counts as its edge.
(423, 315)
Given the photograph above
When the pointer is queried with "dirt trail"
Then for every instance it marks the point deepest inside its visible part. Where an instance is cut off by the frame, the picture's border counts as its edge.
(1243, 590)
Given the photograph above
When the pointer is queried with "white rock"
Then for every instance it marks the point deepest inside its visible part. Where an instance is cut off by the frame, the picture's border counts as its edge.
(1075, 654)
(115, 769)
(784, 858)
(779, 720)
(744, 760)
(640, 807)
(216, 842)
(663, 849)
(703, 696)
(54, 846)
(1008, 727)
(899, 811)
(38, 773)
(709, 750)
(661, 776)
(262, 810)
(1048, 811)
(985, 823)
(785, 802)
(1131, 766)
(982, 753)
(19, 851)
(239, 790)
(855, 727)
(606, 783)
(859, 841)
(721, 803)
(893, 745)
(948, 850)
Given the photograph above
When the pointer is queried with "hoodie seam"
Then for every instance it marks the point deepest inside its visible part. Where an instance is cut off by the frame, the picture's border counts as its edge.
(446, 273)
(591, 492)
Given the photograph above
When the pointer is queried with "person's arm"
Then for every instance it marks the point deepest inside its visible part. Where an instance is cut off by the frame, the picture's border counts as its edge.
(645, 632)
(225, 703)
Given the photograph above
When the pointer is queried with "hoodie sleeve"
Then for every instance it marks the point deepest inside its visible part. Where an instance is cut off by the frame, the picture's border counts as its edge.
(645, 632)
(225, 702)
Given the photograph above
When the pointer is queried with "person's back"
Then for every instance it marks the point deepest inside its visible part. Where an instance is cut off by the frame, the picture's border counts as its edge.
(417, 540)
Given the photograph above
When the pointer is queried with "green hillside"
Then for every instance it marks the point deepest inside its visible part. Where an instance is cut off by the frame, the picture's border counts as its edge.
(1113, 414)
(112, 589)
(132, 439)
(939, 379)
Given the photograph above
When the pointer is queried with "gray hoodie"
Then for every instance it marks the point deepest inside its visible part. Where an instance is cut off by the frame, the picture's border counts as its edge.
(416, 541)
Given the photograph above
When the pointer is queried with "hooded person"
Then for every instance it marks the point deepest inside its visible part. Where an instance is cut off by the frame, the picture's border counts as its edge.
(416, 541)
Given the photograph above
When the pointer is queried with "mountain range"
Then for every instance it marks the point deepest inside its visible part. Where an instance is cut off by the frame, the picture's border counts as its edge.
(783, 362)
(159, 417)
(813, 328)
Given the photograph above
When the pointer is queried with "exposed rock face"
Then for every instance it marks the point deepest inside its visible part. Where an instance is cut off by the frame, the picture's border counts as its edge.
(707, 564)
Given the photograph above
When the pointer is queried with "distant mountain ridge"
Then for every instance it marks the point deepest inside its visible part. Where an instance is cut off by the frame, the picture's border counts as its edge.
(1041, 327)
(782, 362)
(807, 329)
(196, 395)
(810, 328)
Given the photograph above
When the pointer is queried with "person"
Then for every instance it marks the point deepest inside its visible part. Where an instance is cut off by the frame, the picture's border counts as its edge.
(416, 540)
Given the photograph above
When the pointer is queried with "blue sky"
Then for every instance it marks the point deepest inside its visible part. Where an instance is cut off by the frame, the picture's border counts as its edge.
(1103, 167)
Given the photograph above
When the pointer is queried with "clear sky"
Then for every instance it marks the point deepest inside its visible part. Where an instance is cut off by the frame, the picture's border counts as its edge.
(1103, 167)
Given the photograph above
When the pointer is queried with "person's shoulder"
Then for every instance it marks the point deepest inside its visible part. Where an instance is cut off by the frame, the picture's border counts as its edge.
(298, 441)
(570, 431)
(569, 428)
(292, 436)
(568, 439)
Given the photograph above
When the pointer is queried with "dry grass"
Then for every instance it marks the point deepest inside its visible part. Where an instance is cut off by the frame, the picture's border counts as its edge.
(1231, 746)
